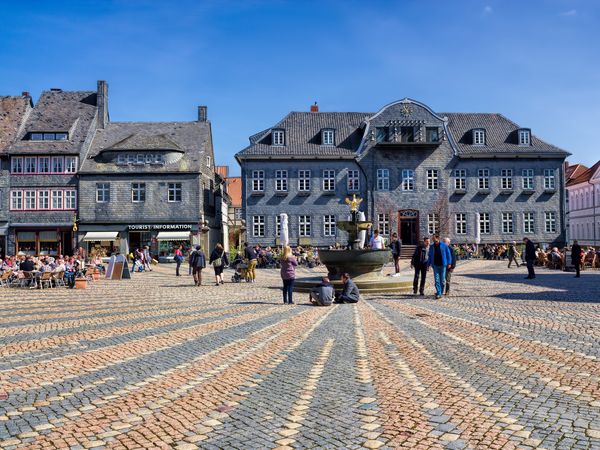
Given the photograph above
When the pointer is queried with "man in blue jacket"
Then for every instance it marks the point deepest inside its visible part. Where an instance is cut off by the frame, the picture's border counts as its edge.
(441, 260)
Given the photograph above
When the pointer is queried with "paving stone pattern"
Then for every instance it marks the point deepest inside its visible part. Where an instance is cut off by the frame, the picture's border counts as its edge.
(155, 362)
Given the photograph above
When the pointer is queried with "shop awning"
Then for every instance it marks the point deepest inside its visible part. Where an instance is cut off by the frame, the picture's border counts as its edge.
(173, 236)
(101, 236)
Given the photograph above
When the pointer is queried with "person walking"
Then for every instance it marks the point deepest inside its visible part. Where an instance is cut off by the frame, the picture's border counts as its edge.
(419, 263)
(198, 260)
(218, 259)
(440, 260)
(189, 258)
(529, 258)
(288, 265)
(450, 270)
(350, 292)
(178, 260)
(252, 257)
(576, 258)
(396, 247)
(147, 258)
(513, 254)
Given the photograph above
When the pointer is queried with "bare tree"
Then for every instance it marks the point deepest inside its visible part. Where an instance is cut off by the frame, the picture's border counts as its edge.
(385, 204)
(441, 209)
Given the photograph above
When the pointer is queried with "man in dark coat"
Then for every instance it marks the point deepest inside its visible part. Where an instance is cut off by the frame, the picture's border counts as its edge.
(198, 262)
(419, 263)
(576, 258)
(450, 269)
(529, 258)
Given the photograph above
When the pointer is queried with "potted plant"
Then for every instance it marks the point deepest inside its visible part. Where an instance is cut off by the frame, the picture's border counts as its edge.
(81, 283)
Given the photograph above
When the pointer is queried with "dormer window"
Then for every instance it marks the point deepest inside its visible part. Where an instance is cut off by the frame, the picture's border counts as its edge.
(279, 137)
(524, 137)
(327, 137)
(48, 136)
(479, 136)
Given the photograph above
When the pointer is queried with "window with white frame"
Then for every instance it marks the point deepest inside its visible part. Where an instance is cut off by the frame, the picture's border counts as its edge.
(281, 180)
(70, 199)
(279, 137)
(70, 164)
(433, 223)
(528, 223)
(329, 225)
(29, 164)
(138, 192)
(408, 180)
(327, 136)
(304, 180)
(524, 137)
(507, 222)
(506, 179)
(43, 199)
(432, 179)
(16, 200)
(460, 179)
(484, 223)
(549, 179)
(174, 192)
(29, 200)
(527, 179)
(57, 164)
(258, 180)
(329, 180)
(353, 180)
(121, 158)
(550, 220)
(43, 164)
(258, 226)
(383, 224)
(460, 223)
(278, 225)
(16, 164)
(102, 192)
(483, 179)
(479, 136)
(383, 179)
(304, 226)
(208, 161)
(57, 199)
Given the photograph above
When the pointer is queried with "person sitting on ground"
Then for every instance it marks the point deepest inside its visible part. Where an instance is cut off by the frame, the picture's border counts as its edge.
(322, 294)
(350, 292)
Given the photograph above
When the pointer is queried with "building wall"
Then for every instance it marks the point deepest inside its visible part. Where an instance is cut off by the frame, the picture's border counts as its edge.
(156, 208)
(584, 213)
(316, 204)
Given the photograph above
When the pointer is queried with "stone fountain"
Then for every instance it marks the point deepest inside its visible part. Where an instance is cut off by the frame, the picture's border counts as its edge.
(365, 266)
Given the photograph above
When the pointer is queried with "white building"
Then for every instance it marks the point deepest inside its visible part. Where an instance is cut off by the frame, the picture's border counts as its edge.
(584, 206)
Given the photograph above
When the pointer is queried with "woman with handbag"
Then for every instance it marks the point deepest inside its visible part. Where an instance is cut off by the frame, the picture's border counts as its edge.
(218, 259)
(178, 259)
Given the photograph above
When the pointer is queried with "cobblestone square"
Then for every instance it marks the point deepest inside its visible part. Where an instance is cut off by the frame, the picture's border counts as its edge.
(155, 362)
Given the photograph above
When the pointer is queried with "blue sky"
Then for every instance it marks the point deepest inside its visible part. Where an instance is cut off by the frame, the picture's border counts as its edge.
(253, 61)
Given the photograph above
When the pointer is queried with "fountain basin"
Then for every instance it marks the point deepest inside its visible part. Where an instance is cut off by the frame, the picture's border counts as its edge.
(362, 265)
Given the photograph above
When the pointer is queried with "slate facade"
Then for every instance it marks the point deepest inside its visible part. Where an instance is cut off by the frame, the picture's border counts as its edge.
(420, 172)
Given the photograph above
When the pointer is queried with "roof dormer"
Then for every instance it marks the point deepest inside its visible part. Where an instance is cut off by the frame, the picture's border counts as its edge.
(479, 136)
(524, 136)
(327, 136)
(278, 137)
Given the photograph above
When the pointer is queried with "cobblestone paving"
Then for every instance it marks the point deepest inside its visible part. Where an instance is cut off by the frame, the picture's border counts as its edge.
(155, 362)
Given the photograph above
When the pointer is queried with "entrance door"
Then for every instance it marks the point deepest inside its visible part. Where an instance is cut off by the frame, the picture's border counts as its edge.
(408, 226)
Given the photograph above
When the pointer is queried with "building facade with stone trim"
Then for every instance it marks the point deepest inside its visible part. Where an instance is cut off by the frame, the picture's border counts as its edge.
(584, 205)
(473, 177)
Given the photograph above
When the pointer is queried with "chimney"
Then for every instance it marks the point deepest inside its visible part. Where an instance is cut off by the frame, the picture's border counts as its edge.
(102, 103)
(25, 94)
(314, 108)
(202, 113)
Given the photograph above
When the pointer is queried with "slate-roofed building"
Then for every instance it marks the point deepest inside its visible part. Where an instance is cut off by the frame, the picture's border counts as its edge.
(148, 183)
(473, 177)
(43, 161)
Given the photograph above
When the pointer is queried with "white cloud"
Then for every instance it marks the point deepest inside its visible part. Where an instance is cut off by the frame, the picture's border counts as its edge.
(571, 12)
(488, 10)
